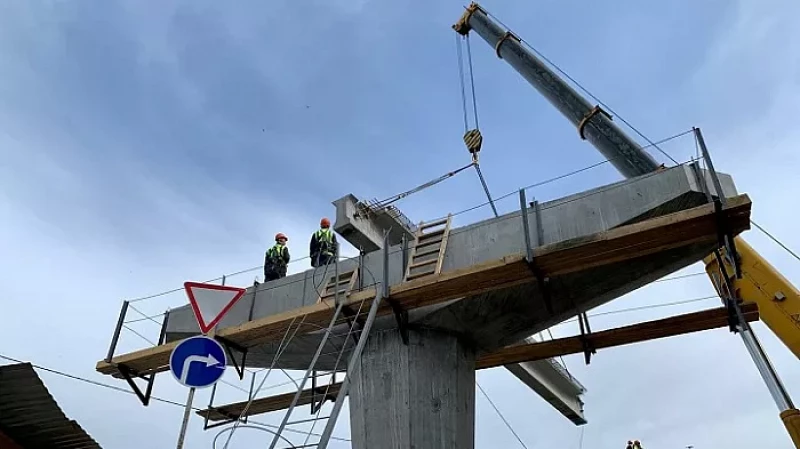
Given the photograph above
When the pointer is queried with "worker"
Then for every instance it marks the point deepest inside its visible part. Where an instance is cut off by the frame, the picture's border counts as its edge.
(323, 246)
(629, 445)
(637, 445)
(277, 259)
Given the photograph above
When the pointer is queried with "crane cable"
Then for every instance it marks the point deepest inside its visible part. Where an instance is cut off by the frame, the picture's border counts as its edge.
(472, 137)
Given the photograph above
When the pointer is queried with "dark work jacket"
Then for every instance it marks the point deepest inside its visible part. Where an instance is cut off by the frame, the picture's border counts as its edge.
(276, 260)
(322, 247)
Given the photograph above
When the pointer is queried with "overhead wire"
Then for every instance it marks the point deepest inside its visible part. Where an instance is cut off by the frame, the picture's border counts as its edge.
(775, 239)
(123, 390)
(262, 286)
(500, 414)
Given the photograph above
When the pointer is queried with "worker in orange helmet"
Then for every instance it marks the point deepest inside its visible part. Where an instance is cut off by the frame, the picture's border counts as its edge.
(277, 259)
(323, 247)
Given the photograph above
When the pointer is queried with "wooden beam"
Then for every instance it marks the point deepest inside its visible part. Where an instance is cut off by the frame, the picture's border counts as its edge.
(266, 405)
(651, 236)
(635, 333)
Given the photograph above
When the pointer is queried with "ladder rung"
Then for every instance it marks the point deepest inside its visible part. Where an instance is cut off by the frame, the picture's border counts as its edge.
(431, 242)
(433, 223)
(422, 264)
(419, 275)
(429, 234)
(330, 294)
(431, 250)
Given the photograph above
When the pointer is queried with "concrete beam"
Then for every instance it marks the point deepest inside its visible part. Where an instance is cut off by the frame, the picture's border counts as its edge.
(550, 380)
(364, 227)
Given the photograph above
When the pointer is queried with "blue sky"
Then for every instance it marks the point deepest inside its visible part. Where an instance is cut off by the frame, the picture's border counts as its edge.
(142, 145)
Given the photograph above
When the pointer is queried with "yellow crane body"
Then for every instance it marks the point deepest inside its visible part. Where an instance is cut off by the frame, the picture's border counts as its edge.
(777, 299)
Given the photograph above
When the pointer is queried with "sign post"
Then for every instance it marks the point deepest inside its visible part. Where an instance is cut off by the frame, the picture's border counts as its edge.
(200, 361)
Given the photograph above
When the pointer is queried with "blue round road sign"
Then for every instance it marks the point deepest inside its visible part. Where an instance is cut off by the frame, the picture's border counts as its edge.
(198, 362)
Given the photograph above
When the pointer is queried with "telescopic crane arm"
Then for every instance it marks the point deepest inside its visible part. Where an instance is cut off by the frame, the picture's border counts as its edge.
(777, 299)
(593, 123)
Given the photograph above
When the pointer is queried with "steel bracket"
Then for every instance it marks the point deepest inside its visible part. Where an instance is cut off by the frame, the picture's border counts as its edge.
(586, 333)
(542, 281)
(401, 316)
(231, 418)
(229, 348)
(128, 374)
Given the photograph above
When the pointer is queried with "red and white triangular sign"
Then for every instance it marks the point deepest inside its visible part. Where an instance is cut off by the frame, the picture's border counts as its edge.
(210, 302)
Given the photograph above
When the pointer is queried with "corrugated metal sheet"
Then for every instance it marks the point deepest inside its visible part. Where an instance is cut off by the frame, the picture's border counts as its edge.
(31, 417)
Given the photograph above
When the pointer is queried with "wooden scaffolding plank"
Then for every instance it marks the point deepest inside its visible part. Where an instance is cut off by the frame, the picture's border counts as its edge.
(651, 236)
(635, 333)
(266, 405)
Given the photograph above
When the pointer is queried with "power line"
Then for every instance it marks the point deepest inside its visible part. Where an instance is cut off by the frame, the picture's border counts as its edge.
(501, 415)
(478, 206)
(122, 390)
(775, 239)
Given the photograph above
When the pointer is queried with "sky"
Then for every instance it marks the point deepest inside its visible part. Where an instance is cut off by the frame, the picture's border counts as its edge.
(144, 144)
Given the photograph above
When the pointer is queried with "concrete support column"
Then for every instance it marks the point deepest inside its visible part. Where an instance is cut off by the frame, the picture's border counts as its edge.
(419, 396)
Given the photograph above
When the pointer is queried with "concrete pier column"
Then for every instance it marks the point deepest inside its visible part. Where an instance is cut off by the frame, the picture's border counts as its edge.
(419, 396)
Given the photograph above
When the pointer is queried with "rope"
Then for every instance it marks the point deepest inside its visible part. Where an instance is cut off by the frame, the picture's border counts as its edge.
(486, 189)
(501, 415)
(399, 196)
(472, 83)
(460, 52)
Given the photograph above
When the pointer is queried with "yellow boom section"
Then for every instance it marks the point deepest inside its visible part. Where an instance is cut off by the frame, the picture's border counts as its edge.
(777, 299)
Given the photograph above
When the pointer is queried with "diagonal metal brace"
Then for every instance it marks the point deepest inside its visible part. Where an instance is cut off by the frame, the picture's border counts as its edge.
(401, 316)
(129, 374)
(542, 281)
(586, 343)
(229, 348)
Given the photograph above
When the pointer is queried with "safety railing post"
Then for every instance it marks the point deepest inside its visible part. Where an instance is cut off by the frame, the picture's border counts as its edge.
(117, 330)
(523, 207)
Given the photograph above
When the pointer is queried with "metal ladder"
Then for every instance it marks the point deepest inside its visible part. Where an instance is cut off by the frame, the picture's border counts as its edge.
(342, 283)
(341, 394)
(429, 247)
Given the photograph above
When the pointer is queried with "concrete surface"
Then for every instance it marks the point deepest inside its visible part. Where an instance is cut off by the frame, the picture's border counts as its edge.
(420, 395)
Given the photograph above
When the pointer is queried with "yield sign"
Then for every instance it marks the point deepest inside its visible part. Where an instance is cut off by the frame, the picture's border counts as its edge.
(210, 302)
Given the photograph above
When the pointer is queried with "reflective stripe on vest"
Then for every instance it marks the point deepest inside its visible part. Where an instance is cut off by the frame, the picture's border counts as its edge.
(324, 236)
(276, 253)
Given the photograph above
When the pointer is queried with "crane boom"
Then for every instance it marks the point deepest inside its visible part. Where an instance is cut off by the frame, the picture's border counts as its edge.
(777, 299)
(592, 122)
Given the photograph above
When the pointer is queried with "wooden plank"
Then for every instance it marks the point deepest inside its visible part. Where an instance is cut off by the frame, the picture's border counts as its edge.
(635, 333)
(616, 245)
(266, 405)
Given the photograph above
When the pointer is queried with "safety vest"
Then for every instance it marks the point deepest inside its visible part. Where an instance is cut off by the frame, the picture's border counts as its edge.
(275, 254)
(325, 239)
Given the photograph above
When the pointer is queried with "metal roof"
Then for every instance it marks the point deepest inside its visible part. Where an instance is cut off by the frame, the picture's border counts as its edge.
(31, 417)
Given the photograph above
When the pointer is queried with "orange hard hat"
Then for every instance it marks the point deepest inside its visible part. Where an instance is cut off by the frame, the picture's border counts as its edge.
(281, 235)
(325, 223)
